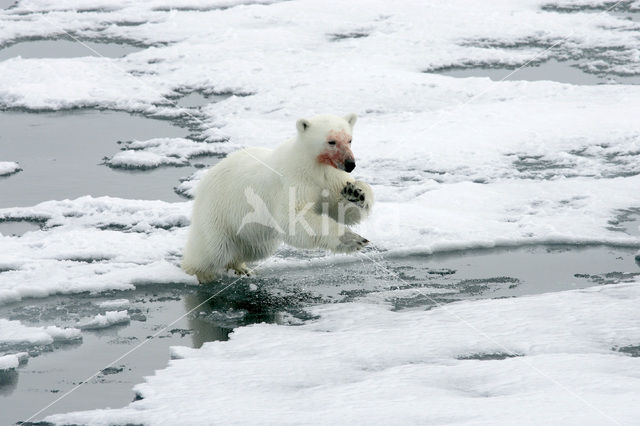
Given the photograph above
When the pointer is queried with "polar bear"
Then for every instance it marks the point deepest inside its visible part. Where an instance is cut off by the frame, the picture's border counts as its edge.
(300, 193)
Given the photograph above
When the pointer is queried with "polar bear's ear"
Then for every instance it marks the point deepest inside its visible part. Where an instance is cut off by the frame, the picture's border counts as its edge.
(302, 125)
(351, 119)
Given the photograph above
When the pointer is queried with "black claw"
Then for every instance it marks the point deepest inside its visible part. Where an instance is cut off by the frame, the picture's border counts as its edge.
(361, 197)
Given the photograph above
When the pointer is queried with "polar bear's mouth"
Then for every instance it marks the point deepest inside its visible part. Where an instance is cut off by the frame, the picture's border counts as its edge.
(338, 156)
(336, 162)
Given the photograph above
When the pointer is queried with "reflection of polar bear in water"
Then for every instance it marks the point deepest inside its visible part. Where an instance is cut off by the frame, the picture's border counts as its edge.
(301, 193)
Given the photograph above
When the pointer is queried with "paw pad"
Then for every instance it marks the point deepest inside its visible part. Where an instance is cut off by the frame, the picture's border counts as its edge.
(353, 194)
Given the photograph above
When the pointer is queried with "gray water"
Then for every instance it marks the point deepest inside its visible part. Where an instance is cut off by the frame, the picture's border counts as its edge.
(415, 282)
(470, 274)
(65, 47)
(17, 228)
(552, 70)
(61, 154)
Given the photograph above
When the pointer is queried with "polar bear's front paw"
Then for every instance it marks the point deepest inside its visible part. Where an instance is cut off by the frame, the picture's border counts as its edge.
(354, 194)
(351, 242)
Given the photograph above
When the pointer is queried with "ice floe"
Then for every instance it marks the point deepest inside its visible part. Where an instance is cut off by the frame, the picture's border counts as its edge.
(109, 319)
(547, 358)
(164, 152)
(15, 334)
(8, 168)
(12, 361)
(188, 184)
(115, 303)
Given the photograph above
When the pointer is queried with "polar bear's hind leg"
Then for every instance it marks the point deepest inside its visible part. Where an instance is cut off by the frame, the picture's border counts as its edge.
(240, 269)
(205, 276)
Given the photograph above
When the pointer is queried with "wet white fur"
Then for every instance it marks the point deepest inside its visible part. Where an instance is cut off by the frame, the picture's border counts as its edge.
(215, 242)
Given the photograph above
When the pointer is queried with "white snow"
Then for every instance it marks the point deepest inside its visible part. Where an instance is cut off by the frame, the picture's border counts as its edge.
(158, 152)
(188, 185)
(62, 334)
(87, 249)
(14, 333)
(364, 363)
(8, 168)
(142, 160)
(115, 303)
(8, 362)
(109, 319)
(12, 361)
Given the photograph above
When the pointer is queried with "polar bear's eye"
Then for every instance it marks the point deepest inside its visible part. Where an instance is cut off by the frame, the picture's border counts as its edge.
(349, 141)
(332, 142)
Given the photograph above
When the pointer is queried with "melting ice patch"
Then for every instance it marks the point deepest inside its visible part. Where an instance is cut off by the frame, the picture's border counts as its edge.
(8, 168)
(109, 319)
(12, 361)
(93, 244)
(15, 335)
(158, 152)
(115, 303)
(187, 186)
(105, 213)
(361, 361)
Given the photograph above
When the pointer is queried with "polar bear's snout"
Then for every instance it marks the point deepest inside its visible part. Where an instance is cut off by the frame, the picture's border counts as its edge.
(337, 151)
(349, 165)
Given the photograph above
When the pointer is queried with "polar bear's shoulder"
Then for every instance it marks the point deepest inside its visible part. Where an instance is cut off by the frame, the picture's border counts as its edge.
(250, 155)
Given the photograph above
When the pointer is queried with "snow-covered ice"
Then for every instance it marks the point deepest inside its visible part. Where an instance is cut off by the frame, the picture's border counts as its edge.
(8, 362)
(8, 168)
(87, 250)
(553, 354)
(12, 361)
(13, 333)
(158, 152)
(188, 184)
(455, 163)
(109, 319)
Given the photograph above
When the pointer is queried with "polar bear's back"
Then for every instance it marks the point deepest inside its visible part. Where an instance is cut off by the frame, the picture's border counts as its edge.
(221, 204)
(224, 185)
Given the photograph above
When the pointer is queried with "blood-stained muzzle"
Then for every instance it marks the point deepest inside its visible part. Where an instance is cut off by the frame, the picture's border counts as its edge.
(338, 154)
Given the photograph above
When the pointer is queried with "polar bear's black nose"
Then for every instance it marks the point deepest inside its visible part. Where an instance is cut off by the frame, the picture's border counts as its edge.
(349, 165)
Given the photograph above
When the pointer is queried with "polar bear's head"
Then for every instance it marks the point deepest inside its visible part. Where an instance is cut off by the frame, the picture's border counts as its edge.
(328, 139)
